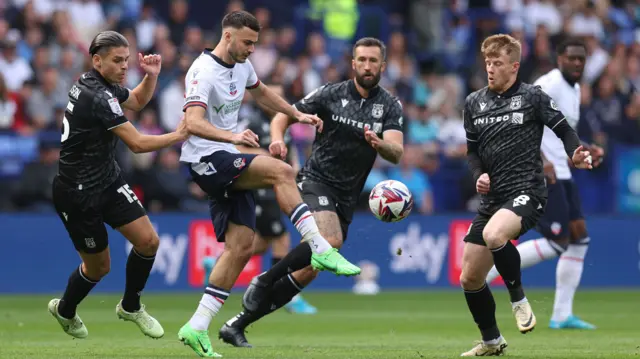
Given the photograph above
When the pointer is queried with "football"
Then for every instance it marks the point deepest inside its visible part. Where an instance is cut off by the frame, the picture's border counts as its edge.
(390, 201)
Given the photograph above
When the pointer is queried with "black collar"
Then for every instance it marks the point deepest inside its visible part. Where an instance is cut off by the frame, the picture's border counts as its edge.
(209, 52)
(100, 78)
(356, 95)
(510, 91)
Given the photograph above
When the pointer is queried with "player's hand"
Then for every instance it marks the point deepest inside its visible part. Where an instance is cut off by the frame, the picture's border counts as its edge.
(597, 154)
(312, 120)
(549, 172)
(483, 184)
(278, 149)
(372, 138)
(151, 64)
(182, 130)
(246, 137)
(582, 158)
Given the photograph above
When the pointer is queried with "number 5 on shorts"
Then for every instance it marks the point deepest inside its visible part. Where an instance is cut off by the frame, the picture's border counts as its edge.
(127, 192)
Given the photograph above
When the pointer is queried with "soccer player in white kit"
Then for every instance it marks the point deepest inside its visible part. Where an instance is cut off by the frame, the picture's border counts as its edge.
(563, 225)
(215, 87)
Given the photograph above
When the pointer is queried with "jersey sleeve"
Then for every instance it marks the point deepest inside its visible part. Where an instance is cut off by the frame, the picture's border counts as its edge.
(121, 93)
(198, 88)
(313, 102)
(252, 80)
(108, 111)
(546, 109)
(394, 118)
(467, 116)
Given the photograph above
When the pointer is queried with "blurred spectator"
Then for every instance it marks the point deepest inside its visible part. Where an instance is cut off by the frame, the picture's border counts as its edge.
(15, 69)
(45, 99)
(33, 190)
(11, 111)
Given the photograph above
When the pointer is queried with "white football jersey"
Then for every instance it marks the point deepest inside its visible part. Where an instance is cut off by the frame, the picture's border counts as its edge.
(219, 88)
(567, 98)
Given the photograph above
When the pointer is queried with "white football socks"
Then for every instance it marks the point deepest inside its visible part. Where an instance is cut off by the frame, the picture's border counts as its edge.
(302, 218)
(568, 275)
(211, 302)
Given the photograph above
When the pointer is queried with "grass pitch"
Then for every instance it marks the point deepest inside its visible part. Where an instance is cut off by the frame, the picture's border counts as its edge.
(411, 325)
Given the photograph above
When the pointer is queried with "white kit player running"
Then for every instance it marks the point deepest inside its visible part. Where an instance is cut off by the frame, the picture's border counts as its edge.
(215, 86)
(563, 225)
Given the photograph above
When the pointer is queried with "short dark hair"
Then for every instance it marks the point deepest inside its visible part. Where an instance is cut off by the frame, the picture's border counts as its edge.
(568, 42)
(240, 19)
(105, 40)
(370, 42)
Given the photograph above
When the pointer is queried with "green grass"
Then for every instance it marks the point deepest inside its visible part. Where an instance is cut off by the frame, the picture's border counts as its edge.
(413, 325)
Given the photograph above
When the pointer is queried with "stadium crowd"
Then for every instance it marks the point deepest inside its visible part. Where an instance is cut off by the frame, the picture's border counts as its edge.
(432, 63)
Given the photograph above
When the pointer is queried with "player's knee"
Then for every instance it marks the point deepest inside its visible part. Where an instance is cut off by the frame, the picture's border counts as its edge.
(494, 237)
(284, 172)
(241, 249)
(97, 270)
(471, 281)
(148, 244)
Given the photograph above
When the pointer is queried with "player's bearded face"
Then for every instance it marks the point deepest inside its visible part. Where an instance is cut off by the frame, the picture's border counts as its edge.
(501, 71)
(572, 62)
(113, 64)
(368, 65)
(242, 44)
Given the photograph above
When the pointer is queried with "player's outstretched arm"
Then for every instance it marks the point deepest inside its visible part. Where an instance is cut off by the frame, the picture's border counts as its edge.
(142, 94)
(196, 125)
(139, 143)
(270, 99)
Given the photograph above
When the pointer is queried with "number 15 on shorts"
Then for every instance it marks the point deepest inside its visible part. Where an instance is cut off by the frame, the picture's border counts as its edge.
(129, 194)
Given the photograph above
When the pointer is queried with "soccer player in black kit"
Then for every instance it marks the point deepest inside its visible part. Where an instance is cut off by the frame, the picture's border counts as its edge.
(361, 120)
(504, 125)
(89, 190)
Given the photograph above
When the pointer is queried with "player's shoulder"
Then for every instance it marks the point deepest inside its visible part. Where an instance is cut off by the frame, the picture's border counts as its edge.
(90, 88)
(476, 97)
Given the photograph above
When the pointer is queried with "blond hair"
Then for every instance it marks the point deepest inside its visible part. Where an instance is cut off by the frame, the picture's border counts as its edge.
(495, 45)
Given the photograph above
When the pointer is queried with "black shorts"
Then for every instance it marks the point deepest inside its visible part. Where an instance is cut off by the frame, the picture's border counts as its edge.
(529, 207)
(84, 214)
(563, 206)
(320, 197)
(214, 174)
(269, 221)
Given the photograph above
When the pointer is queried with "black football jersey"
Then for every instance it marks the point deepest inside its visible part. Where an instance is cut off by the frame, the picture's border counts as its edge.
(340, 156)
(507, 130)
(87, 154)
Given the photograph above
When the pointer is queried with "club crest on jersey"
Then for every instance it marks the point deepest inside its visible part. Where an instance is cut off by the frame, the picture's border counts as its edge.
(232, 89)
(239, 163)
(516, 102)
(377, 111)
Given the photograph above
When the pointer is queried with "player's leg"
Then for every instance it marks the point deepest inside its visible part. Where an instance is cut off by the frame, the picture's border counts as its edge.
(84, 225)
(476, 262)
(261, 299)
(515, 218)
(123, 211)
(570, 267)
(274, 234)
(265, 171)
(234, 222)
(553, 225)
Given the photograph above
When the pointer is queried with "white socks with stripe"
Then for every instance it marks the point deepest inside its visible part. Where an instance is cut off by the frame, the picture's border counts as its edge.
(568, 275)
(302, 218)
(211, 302)
(531, 253)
